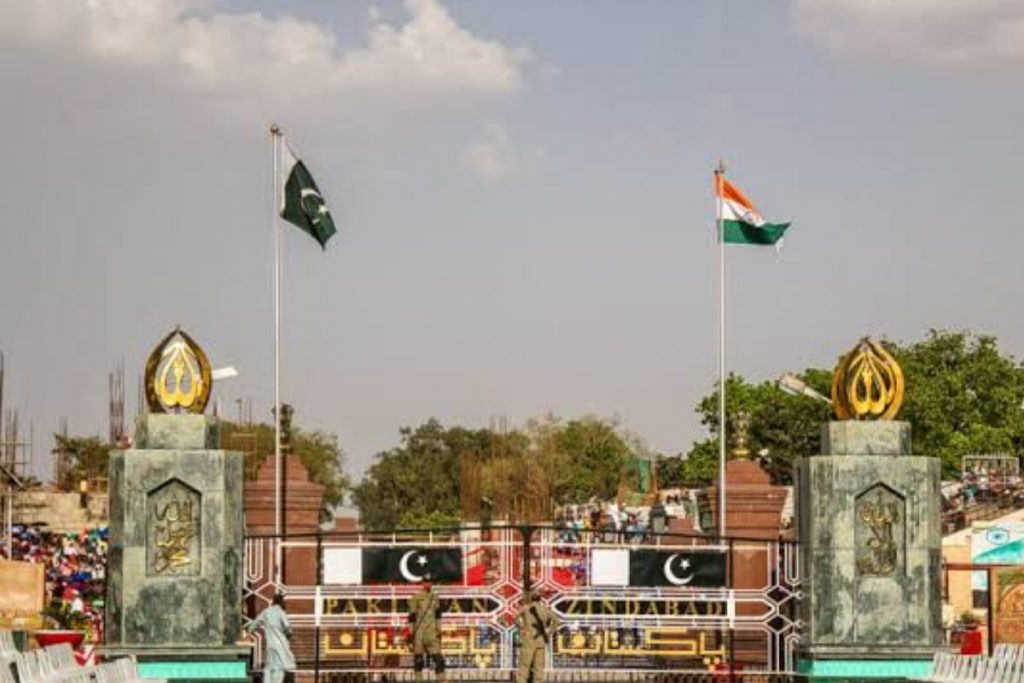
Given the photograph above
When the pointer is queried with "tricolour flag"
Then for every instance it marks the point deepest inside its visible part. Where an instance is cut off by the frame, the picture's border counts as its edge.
(302, 205)
(742, 223)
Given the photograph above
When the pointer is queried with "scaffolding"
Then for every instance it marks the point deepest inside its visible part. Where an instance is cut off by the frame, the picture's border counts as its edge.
(118, 434)
(15, 461)
(244, 439)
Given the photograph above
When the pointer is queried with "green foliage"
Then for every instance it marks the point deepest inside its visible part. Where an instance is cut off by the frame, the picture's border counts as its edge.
(319, 452)
(963, 396)
(589, 462)
(700, 467)
(781, 427)
(417, 484)
(89, 459)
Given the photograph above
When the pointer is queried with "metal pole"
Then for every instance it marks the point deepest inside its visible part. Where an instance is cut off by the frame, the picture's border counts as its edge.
(317, 608)
(527, 532)
(731, 632)
(719, 175)
(990, 618)
(275, 136)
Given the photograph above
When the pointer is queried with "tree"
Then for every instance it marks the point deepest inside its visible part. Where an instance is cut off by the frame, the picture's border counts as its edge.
(962, 396)
(415, 485)
(781, 426)
(418, 483)
(319, 452)
(89, 457)
(590, 457)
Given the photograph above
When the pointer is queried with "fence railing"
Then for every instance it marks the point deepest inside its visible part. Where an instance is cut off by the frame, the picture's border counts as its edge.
(636, 606)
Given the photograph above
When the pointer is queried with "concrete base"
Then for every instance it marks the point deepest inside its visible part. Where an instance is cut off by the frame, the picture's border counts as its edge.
(850, 437)
(855, 670)
(157, 431)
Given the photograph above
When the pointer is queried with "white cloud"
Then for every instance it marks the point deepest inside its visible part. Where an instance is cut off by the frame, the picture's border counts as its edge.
(947, 34)
(493, 159)
(248, 54)
(489, 156)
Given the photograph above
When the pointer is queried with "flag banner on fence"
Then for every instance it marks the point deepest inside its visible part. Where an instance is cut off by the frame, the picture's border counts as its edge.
(343, 566)
(621, 567)
(664, 568)
(742, 223)
(302, 205)
(412, 565)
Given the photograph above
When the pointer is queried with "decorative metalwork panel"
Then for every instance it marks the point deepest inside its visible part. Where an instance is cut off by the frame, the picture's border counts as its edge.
(178, 375)
(350, 625)
(867, 384)
(172, 530)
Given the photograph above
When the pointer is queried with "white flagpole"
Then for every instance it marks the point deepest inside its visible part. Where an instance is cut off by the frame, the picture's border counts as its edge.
(719, 175)
(275, 135)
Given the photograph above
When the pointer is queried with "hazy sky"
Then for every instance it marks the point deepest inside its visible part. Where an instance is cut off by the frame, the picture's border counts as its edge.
(523, 195)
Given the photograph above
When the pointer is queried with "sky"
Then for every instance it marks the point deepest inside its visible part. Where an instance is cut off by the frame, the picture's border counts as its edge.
(523, 195)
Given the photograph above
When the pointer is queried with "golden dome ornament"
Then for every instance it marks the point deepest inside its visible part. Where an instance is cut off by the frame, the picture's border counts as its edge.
(867, 384)
(178, 375)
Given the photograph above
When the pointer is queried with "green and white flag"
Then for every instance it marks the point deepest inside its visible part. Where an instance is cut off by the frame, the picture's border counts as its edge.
(742, 223)
(302, 205)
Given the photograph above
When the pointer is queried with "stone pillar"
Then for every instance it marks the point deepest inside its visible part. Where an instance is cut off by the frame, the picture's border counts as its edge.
(175, 560)
(869, 526)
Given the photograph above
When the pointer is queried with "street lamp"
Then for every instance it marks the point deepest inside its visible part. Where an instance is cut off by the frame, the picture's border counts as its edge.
(794, 386)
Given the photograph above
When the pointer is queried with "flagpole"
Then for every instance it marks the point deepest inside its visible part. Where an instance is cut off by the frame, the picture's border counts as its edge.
(275, 136)
(719, 174)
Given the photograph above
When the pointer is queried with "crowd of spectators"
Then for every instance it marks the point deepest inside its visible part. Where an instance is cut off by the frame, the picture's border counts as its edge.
(607, 522)
(75, 567)
(978, 497)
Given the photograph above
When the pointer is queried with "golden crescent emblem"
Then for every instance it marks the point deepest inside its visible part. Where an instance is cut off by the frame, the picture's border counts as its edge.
(178, 375)
(867, 384)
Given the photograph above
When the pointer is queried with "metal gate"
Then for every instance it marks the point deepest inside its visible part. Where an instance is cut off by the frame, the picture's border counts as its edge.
(743, 620)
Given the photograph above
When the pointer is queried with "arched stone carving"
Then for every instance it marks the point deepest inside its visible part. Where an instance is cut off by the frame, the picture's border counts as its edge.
(880, 532)
(173, 517)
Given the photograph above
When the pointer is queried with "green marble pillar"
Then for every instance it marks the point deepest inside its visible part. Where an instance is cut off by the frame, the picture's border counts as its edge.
(174, 579)
(869, 524)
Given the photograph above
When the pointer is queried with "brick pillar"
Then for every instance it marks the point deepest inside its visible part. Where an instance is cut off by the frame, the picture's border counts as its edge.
(753, 510)
(301, 499)
(753, 507)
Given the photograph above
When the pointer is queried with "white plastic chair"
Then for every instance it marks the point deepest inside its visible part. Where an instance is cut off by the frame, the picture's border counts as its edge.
(108, 672)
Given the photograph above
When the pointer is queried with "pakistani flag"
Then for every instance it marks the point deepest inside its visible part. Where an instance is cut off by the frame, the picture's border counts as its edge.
(742, 223)
(302, 204)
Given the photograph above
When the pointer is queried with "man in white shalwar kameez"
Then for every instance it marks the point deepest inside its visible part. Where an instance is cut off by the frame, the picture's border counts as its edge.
(276, 631)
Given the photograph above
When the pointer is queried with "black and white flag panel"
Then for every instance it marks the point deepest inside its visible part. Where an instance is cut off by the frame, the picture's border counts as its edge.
(353, 566)
(690, 568)
(663, 568)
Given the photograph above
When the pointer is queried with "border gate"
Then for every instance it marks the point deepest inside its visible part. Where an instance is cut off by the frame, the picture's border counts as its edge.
(630, 605)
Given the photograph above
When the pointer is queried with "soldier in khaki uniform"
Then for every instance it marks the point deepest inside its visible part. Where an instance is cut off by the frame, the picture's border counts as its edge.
(424, 614)
(536, 625)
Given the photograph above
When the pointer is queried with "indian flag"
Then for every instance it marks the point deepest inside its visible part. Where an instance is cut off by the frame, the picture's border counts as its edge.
(742, 223)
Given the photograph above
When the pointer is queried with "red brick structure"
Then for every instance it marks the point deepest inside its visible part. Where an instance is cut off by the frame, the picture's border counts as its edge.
(753, 506)
(301, 499)
(753, 510)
